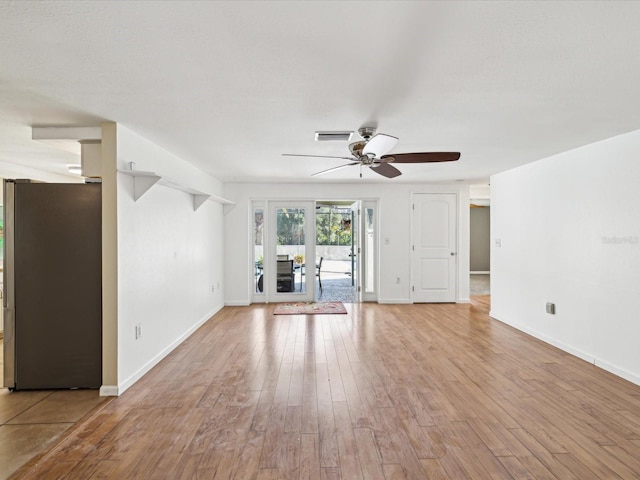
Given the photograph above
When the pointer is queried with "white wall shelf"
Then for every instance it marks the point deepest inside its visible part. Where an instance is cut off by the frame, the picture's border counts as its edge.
(143, 181)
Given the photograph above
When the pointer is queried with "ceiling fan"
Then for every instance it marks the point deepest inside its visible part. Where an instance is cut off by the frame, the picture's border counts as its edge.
(372, 152)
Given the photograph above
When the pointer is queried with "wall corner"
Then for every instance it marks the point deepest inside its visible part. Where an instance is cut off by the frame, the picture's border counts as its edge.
(109, 255)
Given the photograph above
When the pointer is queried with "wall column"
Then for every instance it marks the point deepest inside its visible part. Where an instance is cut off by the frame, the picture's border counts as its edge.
(109, 261)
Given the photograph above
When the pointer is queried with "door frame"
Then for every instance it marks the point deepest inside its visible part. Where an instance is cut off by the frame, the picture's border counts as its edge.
(356, 248)
(265, 204)
(367, 252)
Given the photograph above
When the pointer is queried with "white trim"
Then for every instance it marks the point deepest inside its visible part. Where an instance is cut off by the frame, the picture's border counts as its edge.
(463, 300)
(109, 391)
(66, 133)
(237, 303)
(393, 301)
(122, 387)
(480, 273)
(620, 372)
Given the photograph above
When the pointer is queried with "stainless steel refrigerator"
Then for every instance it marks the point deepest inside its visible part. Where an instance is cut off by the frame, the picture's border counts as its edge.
(52, 285)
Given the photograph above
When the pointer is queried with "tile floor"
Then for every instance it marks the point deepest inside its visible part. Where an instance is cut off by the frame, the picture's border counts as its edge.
(31, 421)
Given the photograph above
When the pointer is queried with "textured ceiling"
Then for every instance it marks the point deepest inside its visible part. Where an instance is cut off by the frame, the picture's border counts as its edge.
(231, 86)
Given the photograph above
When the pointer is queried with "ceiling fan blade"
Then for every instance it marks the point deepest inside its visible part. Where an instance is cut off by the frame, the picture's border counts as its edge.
(379, 145)
(424, 157)
(334, 168)
(314, 156)
(386, 170)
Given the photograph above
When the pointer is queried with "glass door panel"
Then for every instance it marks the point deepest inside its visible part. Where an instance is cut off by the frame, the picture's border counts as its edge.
(258, 250)
(288, 277)
(369, 254)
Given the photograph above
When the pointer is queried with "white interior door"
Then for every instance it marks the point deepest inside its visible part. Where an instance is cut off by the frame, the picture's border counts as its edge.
(434, 247)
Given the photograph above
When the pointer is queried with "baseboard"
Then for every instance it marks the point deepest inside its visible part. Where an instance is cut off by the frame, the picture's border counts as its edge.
(620, 372)
(587, 357)
(480, 273)
(394, 301)
(463, 300)
(239, 303)
(545, 338)
(122, 387)
(109, 391)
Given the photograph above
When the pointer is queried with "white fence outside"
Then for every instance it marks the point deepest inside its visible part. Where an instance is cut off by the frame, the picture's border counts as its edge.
(328, 252)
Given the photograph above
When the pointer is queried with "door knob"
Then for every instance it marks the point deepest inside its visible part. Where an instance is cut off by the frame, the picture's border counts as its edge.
(453, 253)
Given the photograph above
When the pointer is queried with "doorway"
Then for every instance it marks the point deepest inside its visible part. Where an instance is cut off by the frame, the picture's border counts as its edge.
(337, 251)
(480, 250)
(323, 250)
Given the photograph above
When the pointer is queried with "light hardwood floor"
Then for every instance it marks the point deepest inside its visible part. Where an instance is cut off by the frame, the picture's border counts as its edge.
(387, 391)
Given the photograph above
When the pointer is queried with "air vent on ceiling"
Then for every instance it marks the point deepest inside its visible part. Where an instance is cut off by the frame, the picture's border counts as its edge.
(333, 136)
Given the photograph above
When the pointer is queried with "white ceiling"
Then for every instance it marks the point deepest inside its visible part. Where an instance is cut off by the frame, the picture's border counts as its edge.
(232, 86)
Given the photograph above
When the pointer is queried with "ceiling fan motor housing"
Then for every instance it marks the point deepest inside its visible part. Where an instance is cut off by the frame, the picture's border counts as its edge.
(367, 132)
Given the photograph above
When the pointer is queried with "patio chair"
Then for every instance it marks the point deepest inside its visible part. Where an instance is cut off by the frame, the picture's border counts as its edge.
(318, 270)
(285, 276)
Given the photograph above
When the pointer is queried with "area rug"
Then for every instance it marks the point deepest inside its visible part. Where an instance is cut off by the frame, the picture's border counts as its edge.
(311, 308)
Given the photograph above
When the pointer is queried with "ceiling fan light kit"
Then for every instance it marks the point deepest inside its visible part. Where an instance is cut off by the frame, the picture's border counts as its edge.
(373, 151)
(379, 145)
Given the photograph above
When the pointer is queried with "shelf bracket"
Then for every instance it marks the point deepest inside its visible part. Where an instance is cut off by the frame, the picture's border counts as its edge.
(199, 199)
(142, 184)
(143, 181)
(227, 207)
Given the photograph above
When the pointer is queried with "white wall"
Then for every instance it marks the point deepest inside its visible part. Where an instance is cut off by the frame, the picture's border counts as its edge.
(394, 203)
(480, 230)
(168, 257)
(569, 228)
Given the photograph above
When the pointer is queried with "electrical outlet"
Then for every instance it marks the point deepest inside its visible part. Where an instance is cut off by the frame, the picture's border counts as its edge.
(138, 331)
(551, 308)
(498, 242)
